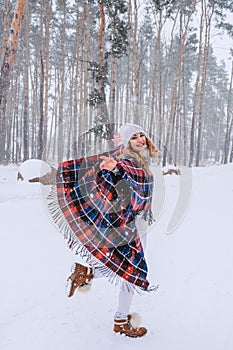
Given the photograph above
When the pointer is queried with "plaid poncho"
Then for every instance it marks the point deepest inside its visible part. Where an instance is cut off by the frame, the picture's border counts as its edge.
(99, 210)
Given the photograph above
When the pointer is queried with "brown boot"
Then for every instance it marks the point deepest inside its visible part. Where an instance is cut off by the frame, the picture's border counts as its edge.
(81, 276)
(123, 326)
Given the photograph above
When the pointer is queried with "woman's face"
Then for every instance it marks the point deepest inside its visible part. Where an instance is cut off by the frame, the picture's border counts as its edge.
(138, 142)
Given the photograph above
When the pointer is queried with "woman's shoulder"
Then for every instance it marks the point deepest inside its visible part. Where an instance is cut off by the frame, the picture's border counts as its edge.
(137, 167)
(130, 160)
(132, 166)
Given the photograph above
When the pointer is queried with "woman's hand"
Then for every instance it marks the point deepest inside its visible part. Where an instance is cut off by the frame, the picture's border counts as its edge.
(108, 163)
(117, 139)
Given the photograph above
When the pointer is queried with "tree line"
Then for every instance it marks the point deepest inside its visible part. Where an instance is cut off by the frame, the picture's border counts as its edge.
(73, 71)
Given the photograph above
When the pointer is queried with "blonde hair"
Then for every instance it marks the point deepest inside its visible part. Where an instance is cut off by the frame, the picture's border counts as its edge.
(151, 150)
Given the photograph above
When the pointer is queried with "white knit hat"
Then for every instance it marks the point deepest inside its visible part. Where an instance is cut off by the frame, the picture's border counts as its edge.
(128, 130)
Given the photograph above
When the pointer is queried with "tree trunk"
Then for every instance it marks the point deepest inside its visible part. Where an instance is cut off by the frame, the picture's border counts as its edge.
(41, 93)
(34, 88)
(112, 97)
(5, 27)
(127, 83)
(76, 83)
(26, 92)
(164, 88)
(229, 121)
(134, 34)
(156, 69)
(113, 88)
(60, 140)
(183, 133)
(203, 81)
(85, 63)
(231, 154)
(46, 84)
(196, 90)
(41, 108)
(6, 68)
(101, 108)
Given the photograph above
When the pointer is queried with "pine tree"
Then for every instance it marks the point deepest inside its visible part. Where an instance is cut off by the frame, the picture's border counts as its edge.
(112, 43)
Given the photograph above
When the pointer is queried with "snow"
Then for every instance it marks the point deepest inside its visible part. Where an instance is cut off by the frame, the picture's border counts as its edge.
(33, 168)
(193, 308)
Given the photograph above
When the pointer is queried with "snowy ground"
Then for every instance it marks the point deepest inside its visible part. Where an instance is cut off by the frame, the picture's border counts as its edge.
(193, 308)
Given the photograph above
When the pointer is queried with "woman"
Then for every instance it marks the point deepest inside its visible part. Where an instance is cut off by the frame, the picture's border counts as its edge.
(105, 201)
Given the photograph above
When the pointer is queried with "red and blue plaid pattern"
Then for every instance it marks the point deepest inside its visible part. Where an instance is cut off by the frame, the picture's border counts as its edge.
(100, 208)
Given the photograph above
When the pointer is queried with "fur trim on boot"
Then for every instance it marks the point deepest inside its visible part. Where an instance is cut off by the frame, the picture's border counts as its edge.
(135, 319)
(124, 326)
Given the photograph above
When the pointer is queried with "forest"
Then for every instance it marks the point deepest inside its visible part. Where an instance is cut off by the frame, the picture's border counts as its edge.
(73, 71)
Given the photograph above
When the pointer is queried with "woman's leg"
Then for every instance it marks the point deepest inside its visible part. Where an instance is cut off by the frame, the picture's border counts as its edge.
(125, 293)
(124, 301)
(122, 318)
